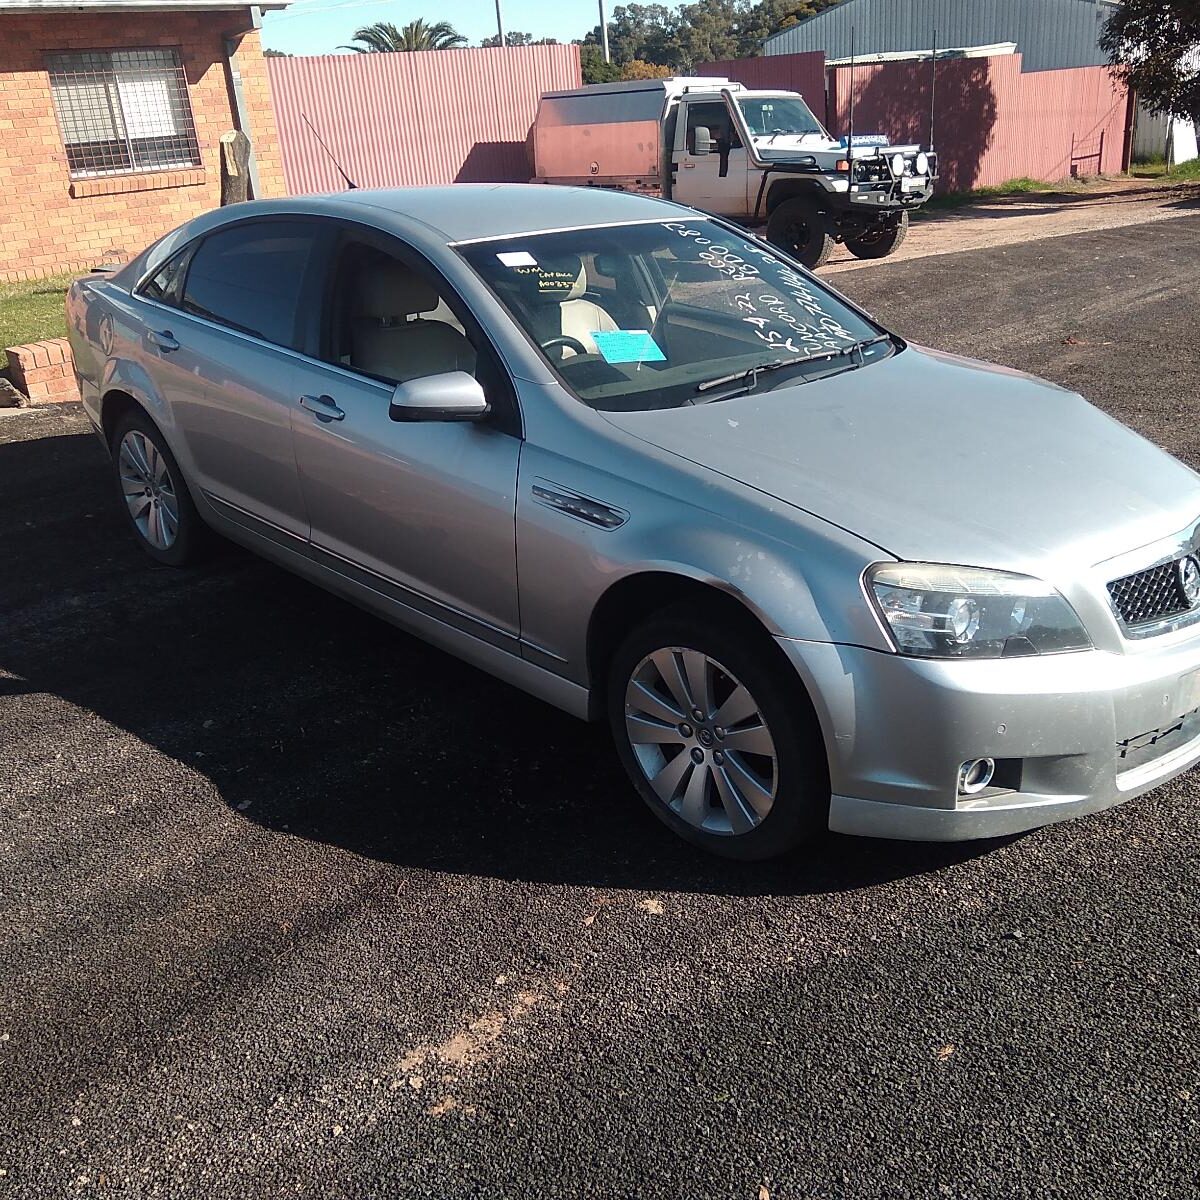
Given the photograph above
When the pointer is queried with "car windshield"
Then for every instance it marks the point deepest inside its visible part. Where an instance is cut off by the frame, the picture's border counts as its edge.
(779, 114)
(664, 314)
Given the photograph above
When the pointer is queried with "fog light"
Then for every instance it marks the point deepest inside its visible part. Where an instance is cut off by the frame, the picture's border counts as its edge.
(974, 775)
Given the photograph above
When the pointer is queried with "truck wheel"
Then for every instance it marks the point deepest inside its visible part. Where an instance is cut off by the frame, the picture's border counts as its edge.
(800, 229)
(880, 240)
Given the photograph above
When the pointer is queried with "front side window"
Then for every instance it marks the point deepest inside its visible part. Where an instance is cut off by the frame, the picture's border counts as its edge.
(123, 111)
(715, 118)
(765, 115)
(250, 277)
(695, 313)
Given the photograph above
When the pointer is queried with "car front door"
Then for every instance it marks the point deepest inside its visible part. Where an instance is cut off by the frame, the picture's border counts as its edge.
(716, 181)
(228, 361)
(421, 512)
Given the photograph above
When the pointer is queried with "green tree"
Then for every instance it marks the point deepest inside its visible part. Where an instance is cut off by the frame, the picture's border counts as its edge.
(641, 31)
(595, 69)
(269, 53)
(515, 38)
(383, 37)
(1155, 48)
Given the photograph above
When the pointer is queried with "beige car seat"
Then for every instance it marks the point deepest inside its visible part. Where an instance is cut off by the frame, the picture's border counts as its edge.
(554, 292)
(387, 341)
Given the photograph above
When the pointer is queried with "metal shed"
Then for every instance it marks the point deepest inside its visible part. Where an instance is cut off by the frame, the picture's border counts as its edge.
(1049, 33)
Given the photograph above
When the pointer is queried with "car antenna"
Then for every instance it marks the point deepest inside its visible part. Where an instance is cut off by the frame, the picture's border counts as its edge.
(932, 87)
(850, 130)
(349, 182)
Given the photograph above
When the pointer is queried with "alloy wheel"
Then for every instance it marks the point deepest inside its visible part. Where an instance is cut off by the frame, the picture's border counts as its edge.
(701, 741)
(149, 489)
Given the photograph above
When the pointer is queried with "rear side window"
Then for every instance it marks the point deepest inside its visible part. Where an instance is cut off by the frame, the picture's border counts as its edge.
(165, 283)
(250, 278)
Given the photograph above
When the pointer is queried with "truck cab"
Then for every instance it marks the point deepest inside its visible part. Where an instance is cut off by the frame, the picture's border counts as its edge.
(755, 157)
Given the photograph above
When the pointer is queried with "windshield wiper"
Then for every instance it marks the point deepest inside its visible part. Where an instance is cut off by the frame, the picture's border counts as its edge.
(853, 348)
(751, 374)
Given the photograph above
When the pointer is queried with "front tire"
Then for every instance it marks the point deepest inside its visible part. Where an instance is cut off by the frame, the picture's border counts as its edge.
(880, 240)
(799, 228)
(718, 735)
(153, 494)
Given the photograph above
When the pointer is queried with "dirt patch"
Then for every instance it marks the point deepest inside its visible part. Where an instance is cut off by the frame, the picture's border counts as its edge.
(1105, 204)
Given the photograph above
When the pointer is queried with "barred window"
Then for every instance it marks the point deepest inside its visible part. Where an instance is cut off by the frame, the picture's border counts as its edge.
(122, 111)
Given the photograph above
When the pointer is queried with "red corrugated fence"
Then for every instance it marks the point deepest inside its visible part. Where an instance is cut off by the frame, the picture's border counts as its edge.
(432, 117)
(994, 122)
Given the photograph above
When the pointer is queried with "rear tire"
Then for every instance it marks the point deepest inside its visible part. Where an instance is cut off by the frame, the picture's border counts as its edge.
(799, 228)
(880, 240)
(718, 735)
(153, 493)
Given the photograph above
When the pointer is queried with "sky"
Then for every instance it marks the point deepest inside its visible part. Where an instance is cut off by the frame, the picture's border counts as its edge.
(320, 26)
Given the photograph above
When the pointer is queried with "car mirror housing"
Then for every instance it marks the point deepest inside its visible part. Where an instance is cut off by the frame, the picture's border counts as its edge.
(454, 396)
(703, 140)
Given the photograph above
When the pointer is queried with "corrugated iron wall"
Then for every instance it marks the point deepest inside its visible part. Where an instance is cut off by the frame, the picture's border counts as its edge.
(432, 117)
(993, 121)
(1051, 34)
(803, 73)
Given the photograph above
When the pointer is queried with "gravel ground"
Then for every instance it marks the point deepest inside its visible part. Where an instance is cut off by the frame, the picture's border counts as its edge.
(293, 905)
(1013, 220)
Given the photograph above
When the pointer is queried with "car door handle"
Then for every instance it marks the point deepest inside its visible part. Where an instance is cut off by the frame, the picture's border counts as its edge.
(324, 408)
(689, 166)
(164, 339)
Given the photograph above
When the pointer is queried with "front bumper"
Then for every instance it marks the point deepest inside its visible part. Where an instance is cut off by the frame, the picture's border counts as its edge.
(1072, 734)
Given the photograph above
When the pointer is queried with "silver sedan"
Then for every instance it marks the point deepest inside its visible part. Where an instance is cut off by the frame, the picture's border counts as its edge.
(642, 465)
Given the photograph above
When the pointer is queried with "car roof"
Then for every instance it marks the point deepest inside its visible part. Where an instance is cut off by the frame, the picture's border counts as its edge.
(477, 211)
(461, 212)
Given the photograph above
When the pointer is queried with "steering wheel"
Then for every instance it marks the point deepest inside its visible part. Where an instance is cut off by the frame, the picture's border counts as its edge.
(567, 341)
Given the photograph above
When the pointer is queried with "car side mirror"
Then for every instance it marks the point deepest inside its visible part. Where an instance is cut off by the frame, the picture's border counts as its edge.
(702, 140)
(454, 396)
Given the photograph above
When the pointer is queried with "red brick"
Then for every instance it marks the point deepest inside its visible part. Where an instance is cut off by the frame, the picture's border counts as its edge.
(47, 223)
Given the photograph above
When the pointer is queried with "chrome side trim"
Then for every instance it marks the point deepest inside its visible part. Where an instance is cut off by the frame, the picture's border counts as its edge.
(417, 601)
(509, 668)
(253, 522)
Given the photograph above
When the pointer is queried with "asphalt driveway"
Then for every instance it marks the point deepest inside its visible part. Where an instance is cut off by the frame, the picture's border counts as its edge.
(292, 905)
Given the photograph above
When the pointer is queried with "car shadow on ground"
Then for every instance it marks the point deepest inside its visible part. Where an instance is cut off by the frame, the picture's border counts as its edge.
(316, 720)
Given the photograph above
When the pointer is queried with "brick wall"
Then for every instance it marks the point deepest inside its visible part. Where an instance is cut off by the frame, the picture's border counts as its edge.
(49, 223)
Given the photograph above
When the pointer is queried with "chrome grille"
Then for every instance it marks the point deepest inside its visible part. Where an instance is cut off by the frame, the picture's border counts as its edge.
(1150, 595)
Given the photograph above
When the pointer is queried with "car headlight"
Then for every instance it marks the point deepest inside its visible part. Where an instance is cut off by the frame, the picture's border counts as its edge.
(938, 611)
(922, 163)
(897, 164)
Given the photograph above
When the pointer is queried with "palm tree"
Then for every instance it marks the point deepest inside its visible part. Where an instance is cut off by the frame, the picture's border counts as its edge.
(383, 37)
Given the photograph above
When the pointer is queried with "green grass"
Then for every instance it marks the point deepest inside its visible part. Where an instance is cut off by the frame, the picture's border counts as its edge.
(32, 311)
(1010, 187)
(1156, 168)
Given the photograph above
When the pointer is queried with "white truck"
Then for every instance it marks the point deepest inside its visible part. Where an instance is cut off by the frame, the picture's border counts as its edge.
(754, 157)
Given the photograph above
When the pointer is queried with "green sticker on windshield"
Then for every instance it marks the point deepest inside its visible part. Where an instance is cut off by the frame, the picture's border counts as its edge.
(627, 346)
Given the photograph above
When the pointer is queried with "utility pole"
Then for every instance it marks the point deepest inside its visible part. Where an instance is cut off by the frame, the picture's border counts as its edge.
(500, 23)
(603, 32)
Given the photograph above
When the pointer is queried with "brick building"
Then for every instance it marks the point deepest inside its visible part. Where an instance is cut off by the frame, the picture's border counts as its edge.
(110, 119)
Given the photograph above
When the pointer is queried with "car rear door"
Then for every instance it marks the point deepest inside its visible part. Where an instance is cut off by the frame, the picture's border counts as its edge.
(422, 512)
(229, 357)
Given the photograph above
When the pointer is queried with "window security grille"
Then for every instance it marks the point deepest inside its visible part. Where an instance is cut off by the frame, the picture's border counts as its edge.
(123, 111)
